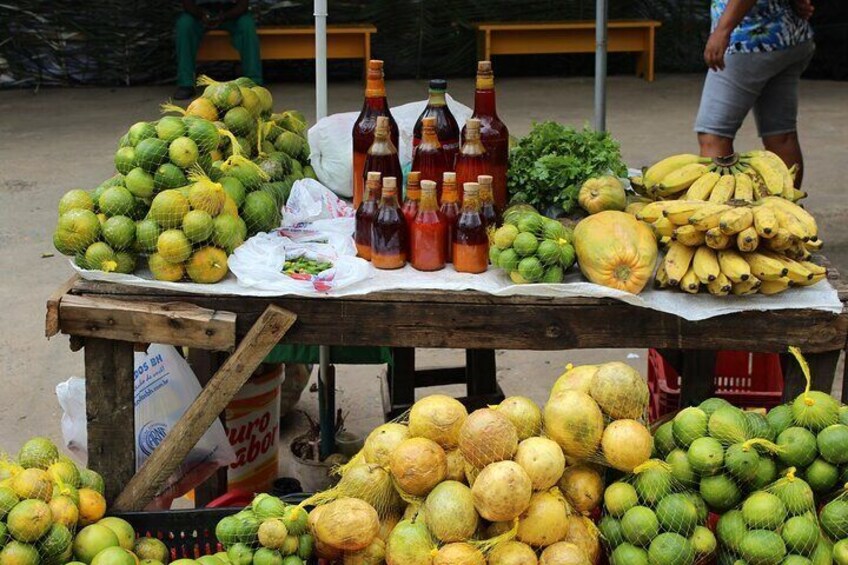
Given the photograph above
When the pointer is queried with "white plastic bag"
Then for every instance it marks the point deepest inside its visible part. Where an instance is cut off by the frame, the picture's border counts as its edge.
(71, 395)
(309, 201)
(331, 142)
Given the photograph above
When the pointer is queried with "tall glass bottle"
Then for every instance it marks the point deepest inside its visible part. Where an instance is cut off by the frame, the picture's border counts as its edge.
(471, 246)
(383, 155)
(429, 157)
(450, 210)
(493, 132)
(413, 195)
(428, 233)
(363, 129)
(389, 234)
(487, 203)
(365, 215)
(471, 162)
(447, 130)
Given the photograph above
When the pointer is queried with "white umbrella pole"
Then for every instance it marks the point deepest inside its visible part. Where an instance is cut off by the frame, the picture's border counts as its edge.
(320, 59)
(601, 65)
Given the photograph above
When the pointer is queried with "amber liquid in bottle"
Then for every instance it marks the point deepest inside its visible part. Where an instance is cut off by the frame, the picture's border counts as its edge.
(471, 162)
(389, 233)
(428, 234)
(383, 155)
(450, 211)
(413, 196)
(447, 130)
(429, 157)
(363, 129)
(471, 246)
(365, 215)
(493, 132)
(487, 203)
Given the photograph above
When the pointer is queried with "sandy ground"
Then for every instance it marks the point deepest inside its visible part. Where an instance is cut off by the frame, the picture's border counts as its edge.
(55, 140)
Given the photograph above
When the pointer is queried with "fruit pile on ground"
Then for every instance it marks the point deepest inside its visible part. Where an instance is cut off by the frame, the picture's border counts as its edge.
(739, 248)
(532, 248)
(268, 532)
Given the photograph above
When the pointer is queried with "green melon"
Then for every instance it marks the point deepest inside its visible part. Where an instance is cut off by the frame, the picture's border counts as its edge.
(720, 492)
(703, 511)
(763, 547)
(800, 534)
(710, 405)
(834, 519)
(611, 532)
(620, 497)
(681, 470)
(796, 494)
(779, 418)
(766, 473)
(815, 410)
(653, 484)
(741, 462)
(639, 526)
(688, 425)
(758, 426)
(821, 476)
(833, 444)
(677, 514)
(664, 440)
(706, 455)
(763, 511)
(731, 529)
(628, 554)
(728, 425)
(798, 447)
(671, 549)
(703, 541)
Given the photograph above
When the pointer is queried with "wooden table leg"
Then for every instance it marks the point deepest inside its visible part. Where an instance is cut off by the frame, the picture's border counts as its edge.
(822, 371)
(481, 372)
(401, 379)
(205, 363)
(649, 75)
(110, 407)
(697, 376)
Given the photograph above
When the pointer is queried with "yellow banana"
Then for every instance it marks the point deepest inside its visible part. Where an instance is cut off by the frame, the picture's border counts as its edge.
(817, 278)
(798, 252)
(715, 239)
(690, 282)
(813, 245)
(653, 211)
(792, 224)
(747, 239)
(777, 164)
(765, 221)
(661, 278)
(792, 209)
(701, 188)
(656, 172)
(723, 190)
(781, 240)
(720, 286)
(735, 220)
(734, 266)
(705, 264)
(744, 187)
(798, 195)
(772, 178)
(680, 179)
(678, 257)
(749, 286)
(689, 235)
(679, 212)
(765, 268)
(796, 271)
(774, 287)
(814, 268)
(708, 216)
(663, 227)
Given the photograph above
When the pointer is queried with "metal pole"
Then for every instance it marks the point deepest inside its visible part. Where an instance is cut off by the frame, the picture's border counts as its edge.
(601, 65)
(320, 59)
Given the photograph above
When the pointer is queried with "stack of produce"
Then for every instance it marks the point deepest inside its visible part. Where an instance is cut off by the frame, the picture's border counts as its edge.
(833, 519)
(749, 176)
(532, 248)
(268, 532)
(650, 518)
(740, 248)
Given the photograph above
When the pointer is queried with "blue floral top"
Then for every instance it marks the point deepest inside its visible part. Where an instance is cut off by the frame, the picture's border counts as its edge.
(771, 25)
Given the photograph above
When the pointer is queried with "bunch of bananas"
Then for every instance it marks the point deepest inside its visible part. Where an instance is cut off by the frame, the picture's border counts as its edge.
(739, 248)
(749, 177)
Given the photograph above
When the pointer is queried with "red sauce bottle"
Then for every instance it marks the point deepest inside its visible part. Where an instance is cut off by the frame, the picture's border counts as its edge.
(413, 195)
(429, 157)
(487, 203)
(471, 246)
(363, 129)
(383, 155)
(493, 132)
(365, 215)
(389, 233)
(428, 233)
(471, 162)
(450, 211)
(447, 130)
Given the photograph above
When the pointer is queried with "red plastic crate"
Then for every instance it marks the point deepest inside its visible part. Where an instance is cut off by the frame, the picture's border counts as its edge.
(746, 380)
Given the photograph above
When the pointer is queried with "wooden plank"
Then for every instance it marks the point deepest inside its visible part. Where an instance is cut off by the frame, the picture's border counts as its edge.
(269, 328)
(564, 25)
(174, 323)
(51, 322)
(110, 409)
(531, 42)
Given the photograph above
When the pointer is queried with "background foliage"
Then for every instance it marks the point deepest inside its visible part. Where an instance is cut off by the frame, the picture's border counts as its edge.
(110, 42)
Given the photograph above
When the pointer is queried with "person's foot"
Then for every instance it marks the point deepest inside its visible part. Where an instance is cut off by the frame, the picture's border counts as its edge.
(184, 93)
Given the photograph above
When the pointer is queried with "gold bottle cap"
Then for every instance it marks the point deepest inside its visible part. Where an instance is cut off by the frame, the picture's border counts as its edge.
(389, 183)
(470, 189)
(485, 179)
(449, 177)
(428, 187)
(373, 176)
(485, 76)
(414, 177)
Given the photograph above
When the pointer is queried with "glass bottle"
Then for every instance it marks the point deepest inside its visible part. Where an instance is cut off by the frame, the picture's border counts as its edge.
(447, 130)
(471, 246)
(493, 132)
(449, 210)
(428, 232)
(363, 129)
(413, 195)
(487, 203)
(365, 215)
(429, 158)
(389, 232)
(471, 162)
(383, 155)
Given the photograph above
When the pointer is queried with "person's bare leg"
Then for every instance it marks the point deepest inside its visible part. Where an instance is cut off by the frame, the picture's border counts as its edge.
(787, 146)
(715, 145)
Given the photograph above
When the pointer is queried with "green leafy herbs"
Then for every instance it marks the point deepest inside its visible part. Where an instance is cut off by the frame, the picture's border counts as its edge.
(548, 165)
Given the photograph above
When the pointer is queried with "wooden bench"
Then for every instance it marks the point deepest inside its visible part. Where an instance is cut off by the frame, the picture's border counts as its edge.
(293, 42)
(533, 38)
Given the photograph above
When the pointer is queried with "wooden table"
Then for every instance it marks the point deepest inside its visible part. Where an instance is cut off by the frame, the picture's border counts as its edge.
(534, 38)
(110, 319)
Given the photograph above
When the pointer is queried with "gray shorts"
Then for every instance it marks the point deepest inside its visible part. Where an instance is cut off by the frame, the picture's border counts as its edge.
(766, 82)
